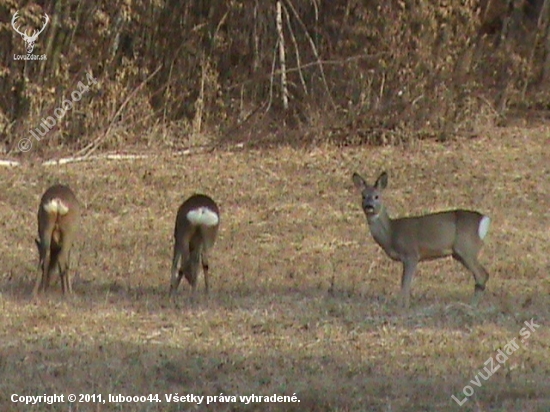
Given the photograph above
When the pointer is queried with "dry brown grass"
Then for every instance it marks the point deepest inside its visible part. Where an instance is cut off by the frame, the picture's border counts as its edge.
(292, 229)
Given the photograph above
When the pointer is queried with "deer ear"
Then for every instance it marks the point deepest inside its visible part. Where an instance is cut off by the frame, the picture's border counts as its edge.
(359, 182)
(382, 181)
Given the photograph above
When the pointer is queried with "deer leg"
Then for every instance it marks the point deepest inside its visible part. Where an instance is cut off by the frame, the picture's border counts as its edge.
(67, 269)
(479, 287)
(409, 268)
(480, 275)
(205, 267)
(42, 273)
(191, 268)
(38, 283)
(55, 258)
(63, 267)
(49, 266)
(63, 276)
(176, 273)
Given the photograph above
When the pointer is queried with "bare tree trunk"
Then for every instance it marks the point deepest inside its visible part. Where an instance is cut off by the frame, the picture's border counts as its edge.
(282, 60)
(255, 41)
(542, 36)
(199, 103)
(545, 21)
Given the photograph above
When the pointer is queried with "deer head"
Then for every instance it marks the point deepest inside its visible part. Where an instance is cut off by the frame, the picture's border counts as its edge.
(29, 40)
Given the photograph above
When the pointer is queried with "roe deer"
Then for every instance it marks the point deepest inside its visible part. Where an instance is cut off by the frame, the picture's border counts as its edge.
(456, 233)
(196, 229)
(58, 220)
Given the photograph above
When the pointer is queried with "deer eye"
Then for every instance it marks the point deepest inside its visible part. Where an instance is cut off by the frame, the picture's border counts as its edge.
(375, 197)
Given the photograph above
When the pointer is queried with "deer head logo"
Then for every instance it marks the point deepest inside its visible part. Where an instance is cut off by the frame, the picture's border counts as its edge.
(29, 40)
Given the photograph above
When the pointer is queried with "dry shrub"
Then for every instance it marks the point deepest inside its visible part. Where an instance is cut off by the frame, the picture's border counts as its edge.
(381, 72)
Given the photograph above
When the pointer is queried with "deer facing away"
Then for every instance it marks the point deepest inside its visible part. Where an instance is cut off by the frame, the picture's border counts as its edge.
(456, 233)
(196, 230)
(58, 221)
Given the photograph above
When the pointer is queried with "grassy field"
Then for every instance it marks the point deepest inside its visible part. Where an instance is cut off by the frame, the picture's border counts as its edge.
(302, 300)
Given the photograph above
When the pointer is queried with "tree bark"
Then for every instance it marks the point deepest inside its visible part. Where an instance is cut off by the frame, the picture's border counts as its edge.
(282, 58)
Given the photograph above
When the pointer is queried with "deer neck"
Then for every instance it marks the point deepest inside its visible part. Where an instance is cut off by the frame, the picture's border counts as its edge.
(381, 229)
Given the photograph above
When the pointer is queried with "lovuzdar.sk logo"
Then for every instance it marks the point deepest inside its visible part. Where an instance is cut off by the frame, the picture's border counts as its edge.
(29, 40)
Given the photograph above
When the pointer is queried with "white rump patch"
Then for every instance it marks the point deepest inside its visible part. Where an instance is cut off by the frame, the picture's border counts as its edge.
(203, 216)
(56, 206)
(483, 228)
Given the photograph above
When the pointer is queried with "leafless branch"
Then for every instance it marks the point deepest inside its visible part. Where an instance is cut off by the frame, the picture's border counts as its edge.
(91, 147)
(282, 58)
(296, 50)
(314, 50)
(332, 62)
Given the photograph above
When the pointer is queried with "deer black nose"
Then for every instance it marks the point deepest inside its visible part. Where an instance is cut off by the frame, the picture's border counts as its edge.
(368, 207)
